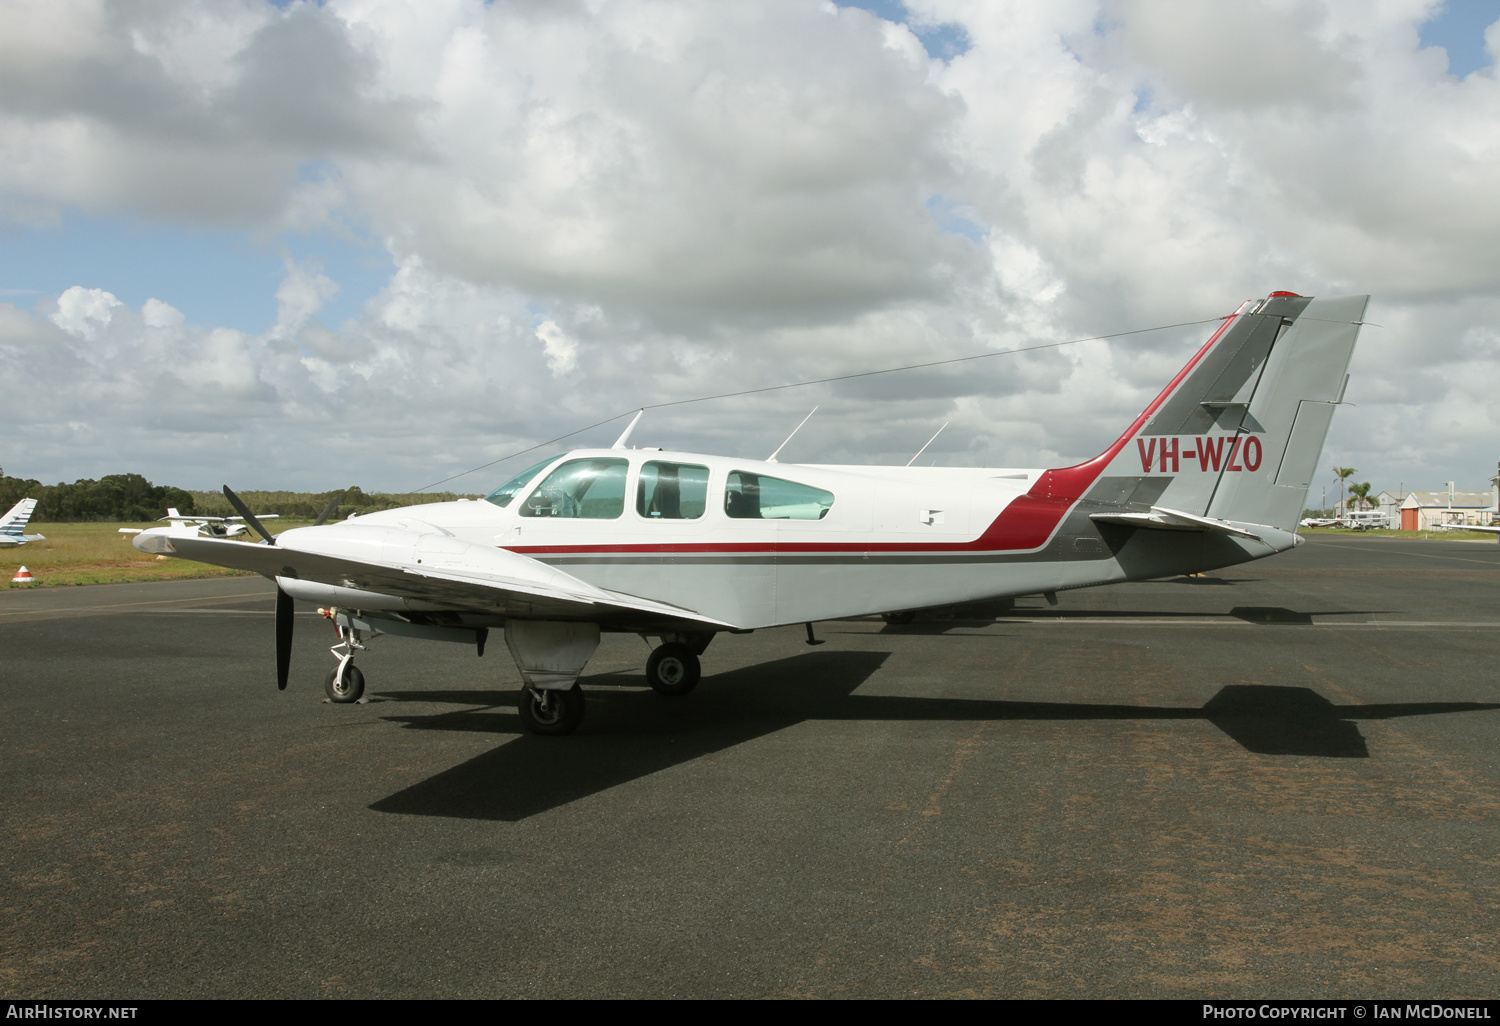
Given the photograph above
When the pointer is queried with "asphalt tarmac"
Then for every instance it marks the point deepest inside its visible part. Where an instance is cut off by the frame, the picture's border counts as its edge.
(1278, 780)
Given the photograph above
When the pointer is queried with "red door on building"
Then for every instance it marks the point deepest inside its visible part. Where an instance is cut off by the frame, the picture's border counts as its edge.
(1408, 520)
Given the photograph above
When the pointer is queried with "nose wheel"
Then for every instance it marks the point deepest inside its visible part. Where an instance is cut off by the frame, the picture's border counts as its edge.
(673, 669)
(346, 687)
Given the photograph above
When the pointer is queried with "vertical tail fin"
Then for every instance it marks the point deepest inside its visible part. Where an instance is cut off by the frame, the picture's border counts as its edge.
(1237, 434)
(13, 524)
(1289, 412)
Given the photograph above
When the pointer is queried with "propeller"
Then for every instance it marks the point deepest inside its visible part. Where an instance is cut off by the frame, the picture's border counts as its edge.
(333, 507)
(284, 613)
(285, 609)
(244, 511)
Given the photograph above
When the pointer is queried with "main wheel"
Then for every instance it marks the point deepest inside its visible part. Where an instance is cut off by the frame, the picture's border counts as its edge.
(905, 616)
(353, 685)
(673, 669)
(551, 712)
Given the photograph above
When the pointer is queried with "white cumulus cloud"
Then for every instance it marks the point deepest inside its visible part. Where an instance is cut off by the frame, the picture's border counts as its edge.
(593, 207)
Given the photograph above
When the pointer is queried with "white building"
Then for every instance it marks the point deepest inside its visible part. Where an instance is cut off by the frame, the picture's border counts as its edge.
(1420, 511)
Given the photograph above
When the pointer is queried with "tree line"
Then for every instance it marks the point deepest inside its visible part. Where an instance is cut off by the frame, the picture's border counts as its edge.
(113, 497)
(131, 498)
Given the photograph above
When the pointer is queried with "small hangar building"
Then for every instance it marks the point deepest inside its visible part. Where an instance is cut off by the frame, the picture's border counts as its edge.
(1422, 511)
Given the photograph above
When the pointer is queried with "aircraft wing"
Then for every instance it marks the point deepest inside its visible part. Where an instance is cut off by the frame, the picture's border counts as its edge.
(427, 571)
(1487, 528)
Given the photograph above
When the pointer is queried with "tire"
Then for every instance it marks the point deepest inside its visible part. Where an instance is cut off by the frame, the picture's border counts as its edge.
(905, 616)
(673, 669)
(354, 685)
(563, 714)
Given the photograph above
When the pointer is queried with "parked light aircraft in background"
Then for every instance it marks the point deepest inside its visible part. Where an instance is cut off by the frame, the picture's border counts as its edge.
(14, 523)
(213, 527)
(679, 546)
(1362, 520)
(1482, 528)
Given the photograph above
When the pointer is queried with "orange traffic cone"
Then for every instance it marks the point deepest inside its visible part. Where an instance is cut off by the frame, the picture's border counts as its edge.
(23, 576)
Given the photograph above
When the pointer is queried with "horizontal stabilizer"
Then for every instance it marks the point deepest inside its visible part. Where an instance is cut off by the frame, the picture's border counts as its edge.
(1162, 519)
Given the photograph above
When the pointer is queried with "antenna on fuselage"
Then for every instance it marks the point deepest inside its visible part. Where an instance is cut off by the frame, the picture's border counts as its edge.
(620, 442)
(929, 442)
(772, 458)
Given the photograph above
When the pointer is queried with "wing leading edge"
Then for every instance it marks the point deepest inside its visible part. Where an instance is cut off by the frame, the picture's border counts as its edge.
(372, 567)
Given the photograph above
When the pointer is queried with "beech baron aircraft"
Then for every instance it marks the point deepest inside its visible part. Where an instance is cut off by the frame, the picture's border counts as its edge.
(678, 547)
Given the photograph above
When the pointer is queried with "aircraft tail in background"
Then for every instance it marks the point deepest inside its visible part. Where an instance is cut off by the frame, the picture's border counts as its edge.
(13, 524)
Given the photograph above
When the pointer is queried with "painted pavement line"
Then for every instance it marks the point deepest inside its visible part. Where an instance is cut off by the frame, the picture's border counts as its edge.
(127, 605)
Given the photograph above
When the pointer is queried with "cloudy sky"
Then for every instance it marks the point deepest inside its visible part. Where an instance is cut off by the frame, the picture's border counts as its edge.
(309, 245)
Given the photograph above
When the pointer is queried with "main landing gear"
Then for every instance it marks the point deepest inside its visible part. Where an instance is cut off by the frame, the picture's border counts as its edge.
(673, 668)
(551, 711)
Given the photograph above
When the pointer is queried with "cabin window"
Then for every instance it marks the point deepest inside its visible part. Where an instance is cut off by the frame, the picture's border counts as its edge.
(588, 489)
(503, 495)
(750, 496)
(672, 491)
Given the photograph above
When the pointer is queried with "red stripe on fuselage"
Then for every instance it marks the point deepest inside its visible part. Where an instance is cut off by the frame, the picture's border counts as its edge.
(1026, 523)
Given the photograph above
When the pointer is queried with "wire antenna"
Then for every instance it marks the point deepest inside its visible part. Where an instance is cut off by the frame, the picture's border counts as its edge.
(929, 442)
(772, 458)
(821, 381)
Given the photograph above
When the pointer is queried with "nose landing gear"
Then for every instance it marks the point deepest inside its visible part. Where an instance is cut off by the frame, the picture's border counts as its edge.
(345, 682)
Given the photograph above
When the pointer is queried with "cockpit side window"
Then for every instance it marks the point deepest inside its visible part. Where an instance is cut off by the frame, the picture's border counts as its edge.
(750, 496)
(503, 495)
(586, 489)
(672, 491)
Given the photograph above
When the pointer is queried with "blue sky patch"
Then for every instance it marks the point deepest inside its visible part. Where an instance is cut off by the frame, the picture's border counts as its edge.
(1458, 28)
(215, 277)
(950, 217)
(944, 42)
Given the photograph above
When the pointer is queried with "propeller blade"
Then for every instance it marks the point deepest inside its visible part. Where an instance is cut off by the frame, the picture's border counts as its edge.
(284, 615)
(333, 507)
(244, 511)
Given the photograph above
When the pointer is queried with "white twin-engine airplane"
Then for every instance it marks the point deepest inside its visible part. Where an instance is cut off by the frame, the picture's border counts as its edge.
(13, 525)
(678, 546)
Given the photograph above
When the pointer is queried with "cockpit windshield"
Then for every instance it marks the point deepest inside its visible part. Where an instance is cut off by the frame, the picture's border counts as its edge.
(592, 488)
(503, 495)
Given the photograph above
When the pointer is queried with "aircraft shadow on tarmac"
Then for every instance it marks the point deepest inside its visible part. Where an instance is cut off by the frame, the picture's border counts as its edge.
(1250, 614)
(637, 732)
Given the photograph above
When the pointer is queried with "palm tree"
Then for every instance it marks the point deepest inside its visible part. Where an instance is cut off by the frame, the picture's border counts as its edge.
(1344, 474)
(1362, 492)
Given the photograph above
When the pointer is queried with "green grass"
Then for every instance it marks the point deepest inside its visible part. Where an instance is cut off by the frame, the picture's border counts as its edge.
(1420, 535)
(100, 554)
